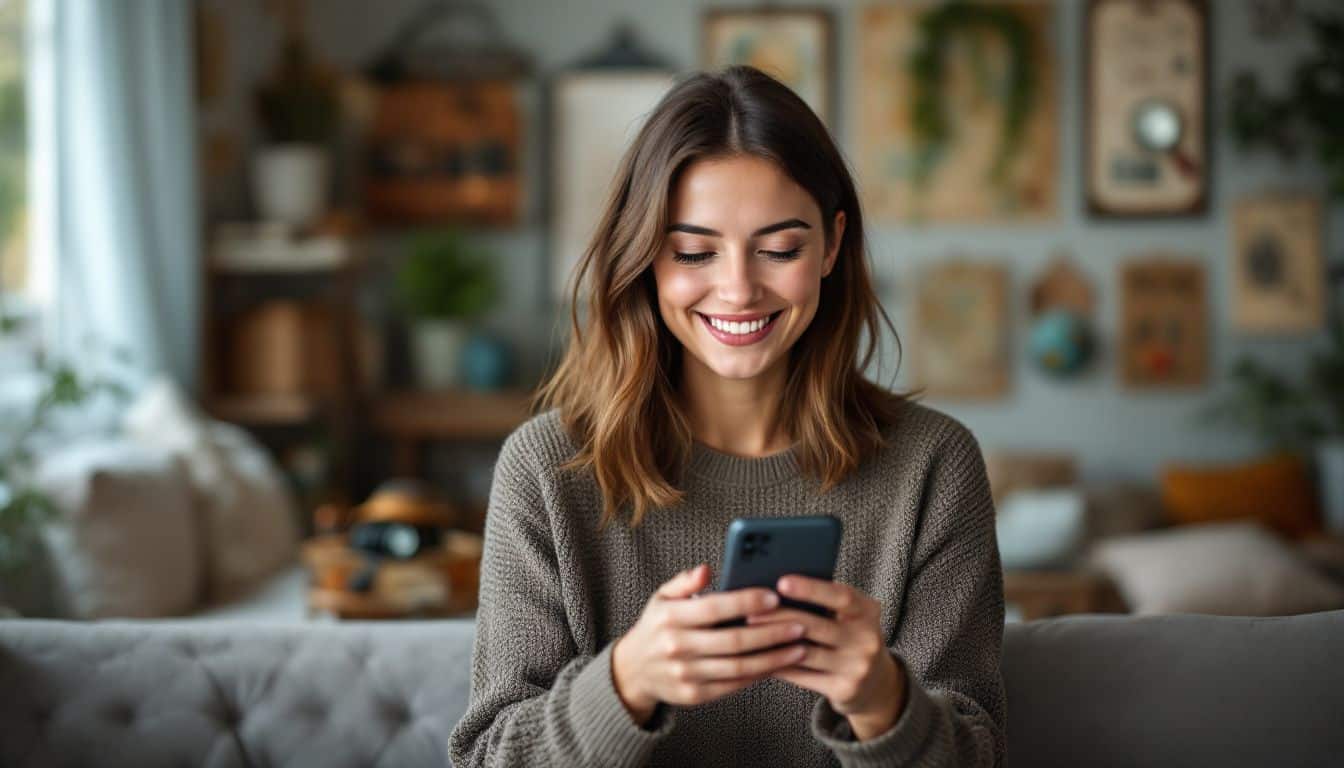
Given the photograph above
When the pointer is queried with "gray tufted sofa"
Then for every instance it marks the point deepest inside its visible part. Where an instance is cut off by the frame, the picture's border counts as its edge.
(1082, 690)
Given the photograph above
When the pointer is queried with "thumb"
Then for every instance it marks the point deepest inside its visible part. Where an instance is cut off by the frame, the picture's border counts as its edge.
(686, 583)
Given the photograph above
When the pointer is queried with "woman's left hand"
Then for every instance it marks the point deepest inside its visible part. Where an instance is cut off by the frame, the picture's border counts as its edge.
(849, 664)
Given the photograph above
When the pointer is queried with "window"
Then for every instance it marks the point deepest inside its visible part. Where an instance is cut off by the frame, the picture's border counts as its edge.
(13, 151)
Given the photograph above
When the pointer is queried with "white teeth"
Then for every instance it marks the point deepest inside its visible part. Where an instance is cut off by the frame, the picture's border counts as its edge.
(738, 329)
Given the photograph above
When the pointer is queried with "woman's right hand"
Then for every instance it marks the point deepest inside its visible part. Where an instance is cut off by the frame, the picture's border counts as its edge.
(673, 654)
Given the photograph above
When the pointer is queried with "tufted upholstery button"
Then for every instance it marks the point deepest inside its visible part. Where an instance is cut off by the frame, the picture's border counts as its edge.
(121, 712)
(313, 708)
(395, 712)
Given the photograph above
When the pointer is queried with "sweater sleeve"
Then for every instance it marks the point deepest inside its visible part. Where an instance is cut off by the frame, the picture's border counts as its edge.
(535, 700)
(949, 638)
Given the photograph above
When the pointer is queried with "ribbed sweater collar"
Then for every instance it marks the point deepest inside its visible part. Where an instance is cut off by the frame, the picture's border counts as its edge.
(747, 471)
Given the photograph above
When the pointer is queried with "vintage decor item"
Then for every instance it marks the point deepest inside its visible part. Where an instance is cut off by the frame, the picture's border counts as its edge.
(962, 320)
(1164, 334)
(1278, 266)
(793, 45)
(1146, 107)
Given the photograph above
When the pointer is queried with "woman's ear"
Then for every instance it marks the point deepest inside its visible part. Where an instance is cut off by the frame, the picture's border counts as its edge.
(833, 248)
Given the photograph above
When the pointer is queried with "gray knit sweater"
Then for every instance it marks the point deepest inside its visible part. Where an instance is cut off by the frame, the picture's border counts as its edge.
(918, 536)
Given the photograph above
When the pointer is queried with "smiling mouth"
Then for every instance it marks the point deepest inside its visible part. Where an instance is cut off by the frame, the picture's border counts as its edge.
(737, 334)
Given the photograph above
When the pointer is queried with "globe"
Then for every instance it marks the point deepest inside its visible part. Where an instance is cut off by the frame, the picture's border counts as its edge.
(1061, 343)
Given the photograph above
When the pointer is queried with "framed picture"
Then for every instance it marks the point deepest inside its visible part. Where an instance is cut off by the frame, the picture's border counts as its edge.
(1146, 146)
(1163, 324)
(597, 113)
(793, 45)
(975, 137)
(962, 317)
(1278, 267)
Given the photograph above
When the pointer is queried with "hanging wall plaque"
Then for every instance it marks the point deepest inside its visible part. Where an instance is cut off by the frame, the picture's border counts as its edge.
(962, 318)
(1146, 107)
(1278, 268)
(1163, 326)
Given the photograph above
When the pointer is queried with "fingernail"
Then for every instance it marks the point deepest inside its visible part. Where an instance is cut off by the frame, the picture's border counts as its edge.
(771, 600)
(796, 630)
(785, 585)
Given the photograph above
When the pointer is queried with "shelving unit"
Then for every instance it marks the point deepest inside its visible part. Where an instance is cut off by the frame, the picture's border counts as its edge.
(328, 415)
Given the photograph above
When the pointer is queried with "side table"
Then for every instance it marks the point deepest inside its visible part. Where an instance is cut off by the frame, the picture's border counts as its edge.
(438, 584)
(1041, 594)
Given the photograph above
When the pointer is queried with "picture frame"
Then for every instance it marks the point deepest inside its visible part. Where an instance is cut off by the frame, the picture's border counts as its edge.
(1146, 135)
(1000, 166)
(1278, 263)
(794, 45)
(962, 348)
(596, 113)
(1164, 322)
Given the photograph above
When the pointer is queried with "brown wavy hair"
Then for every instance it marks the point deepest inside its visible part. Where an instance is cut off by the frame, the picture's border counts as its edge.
(616, 383)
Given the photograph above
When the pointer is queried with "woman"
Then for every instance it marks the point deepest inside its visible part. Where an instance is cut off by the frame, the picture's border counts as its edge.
(718, 376)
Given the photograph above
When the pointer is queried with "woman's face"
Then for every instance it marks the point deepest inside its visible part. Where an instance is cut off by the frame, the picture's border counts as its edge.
(745, 252)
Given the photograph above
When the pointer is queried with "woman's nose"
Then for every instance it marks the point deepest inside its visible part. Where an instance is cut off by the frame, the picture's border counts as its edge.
(738, 285)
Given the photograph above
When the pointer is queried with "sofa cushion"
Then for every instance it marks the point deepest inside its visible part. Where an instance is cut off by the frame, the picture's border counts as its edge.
(1277, 491)
(127, 543)
(1237, 569)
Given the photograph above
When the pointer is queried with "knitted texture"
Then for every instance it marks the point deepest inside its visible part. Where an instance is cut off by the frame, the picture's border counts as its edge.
(555, 593)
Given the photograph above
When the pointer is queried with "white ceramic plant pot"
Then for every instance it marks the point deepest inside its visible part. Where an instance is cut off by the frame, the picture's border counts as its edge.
(289, 182)
(1330, 472)
(436, 352)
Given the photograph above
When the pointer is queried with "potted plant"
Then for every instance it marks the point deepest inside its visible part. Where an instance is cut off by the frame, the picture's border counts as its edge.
(1305, 417)
(299, 110)
(443, 284)
(24, 508)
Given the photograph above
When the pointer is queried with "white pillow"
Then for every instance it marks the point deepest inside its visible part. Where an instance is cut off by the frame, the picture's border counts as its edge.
(126, 544)
(1233, 569)
(248, 511)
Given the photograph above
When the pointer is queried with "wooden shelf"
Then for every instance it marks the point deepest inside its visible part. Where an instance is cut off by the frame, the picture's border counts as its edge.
(264, 410)
(451, 415)
(1043, 593)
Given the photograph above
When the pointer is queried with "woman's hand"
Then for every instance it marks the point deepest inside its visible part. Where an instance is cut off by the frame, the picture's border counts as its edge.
(673, 655)
(849, 664)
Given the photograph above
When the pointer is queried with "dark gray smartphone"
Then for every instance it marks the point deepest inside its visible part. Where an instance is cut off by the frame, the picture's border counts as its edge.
(759, 550)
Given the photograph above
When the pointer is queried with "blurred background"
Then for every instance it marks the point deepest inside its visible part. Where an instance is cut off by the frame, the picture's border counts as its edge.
(297, 266)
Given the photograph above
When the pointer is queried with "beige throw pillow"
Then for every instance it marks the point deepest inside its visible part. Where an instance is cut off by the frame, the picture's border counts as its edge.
(126, 544)
(1233, 569)
(247, 510)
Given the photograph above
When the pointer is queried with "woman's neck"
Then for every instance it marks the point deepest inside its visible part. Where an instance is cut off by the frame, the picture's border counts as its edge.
(741, 417)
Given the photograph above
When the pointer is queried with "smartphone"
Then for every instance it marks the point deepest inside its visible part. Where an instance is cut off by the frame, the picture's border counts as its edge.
(759, 550)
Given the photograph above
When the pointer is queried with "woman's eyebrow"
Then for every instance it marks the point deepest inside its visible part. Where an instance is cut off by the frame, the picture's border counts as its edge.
(692, 229)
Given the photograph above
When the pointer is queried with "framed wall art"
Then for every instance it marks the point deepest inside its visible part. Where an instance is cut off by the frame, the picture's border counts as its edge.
(1146, 146)
(962, 318)
(793, 45)
(597, 106)
(1164, 322)
(1278, 266)
(957, 112)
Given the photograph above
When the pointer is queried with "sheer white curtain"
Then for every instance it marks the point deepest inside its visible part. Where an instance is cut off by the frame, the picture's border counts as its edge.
(114, 190)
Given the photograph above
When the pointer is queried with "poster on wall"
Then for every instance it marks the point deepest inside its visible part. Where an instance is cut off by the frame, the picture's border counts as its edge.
(793, 45)
(1163, 324)
(962, 347)
(1146, 108)
(1278, 267)
(957, 112)
(597, 114)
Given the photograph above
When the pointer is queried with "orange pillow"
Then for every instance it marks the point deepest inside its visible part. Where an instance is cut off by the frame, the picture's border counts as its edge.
(1276, 491)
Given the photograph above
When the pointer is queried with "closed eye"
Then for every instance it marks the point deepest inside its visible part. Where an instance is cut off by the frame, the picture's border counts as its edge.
(696, 258)
(691, 258)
